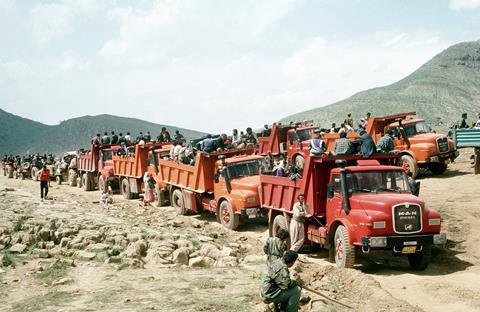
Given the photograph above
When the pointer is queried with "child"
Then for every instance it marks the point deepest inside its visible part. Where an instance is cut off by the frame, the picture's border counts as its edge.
(106, 199)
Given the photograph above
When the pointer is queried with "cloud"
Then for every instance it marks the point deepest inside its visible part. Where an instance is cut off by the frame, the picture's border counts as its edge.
(464, 4)
(50, 21)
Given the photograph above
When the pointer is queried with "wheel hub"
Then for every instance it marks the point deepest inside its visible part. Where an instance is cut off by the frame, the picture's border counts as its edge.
(225, 215)
(339, 248)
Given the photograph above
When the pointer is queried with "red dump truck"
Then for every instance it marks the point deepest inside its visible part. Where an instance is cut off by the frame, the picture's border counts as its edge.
(419, 146)
(128, 170)
(224, 183)
(90, 163)
(357, 206)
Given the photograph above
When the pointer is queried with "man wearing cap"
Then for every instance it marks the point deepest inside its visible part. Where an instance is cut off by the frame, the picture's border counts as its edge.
(385, 144)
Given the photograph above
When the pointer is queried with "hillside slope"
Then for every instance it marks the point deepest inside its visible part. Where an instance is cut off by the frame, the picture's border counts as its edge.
(21, 135)
(439, 91)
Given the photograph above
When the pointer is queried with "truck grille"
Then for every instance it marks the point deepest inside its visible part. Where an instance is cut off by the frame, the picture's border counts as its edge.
(407, 218)
(442, 145)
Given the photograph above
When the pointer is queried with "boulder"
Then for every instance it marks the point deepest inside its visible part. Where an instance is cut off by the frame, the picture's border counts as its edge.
(133, 237)
(227, 251)
(18, 248)
(44, 235)
(99, 247)
(201, 262)
(85, 255)
(226, 261)
(113, 260)
(115, 251)
(138, 248)
(180, 256)
(253, 259)
(42, 253)
(184, 243)
(64, 243)
(210, 250)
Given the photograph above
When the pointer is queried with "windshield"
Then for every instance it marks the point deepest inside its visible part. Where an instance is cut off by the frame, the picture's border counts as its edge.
(244, 169)
(416, 128)
(302, 135)
(375, 181)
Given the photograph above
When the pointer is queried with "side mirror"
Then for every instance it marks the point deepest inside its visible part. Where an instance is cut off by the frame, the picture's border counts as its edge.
(330, 191)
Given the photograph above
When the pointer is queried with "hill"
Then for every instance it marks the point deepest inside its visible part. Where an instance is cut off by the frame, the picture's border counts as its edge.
(22, 136)
(439, 91)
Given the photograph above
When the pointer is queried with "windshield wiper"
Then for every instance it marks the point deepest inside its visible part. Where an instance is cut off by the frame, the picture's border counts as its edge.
(387, 189)
(364, 190)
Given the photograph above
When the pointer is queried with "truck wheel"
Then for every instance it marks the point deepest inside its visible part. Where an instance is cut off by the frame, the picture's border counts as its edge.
(85, 182)
(344, 252)
(279, 222)
(160, 197)
(72, 177)
(34, 173)
(228, 218)
(125, 189)
(102, 185)
(177, 202)
(58, 179)
(421, 259)
(410, 165)
(437, 168)
(299, 162)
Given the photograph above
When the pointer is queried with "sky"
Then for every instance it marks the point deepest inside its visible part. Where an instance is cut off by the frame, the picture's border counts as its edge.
(213, 65)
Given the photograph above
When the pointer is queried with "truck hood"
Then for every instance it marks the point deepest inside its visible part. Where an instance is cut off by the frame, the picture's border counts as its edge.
(382, 201)
(246, 183)
(426, 137)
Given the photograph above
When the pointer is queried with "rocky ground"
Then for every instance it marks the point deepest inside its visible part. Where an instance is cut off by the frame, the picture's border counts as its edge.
(70, 254)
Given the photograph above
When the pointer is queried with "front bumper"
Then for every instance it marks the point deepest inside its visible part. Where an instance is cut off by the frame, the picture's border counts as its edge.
(400, 241)
(253, 212)
(442, 157)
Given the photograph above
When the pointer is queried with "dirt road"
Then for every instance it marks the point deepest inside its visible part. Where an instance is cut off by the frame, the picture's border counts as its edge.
(70, 254)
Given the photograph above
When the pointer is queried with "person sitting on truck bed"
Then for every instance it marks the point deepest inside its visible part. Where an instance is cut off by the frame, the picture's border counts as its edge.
(250, 137)
(164, 136)
(349, 120)
(208, 145)
(343, 146)
(178, 136)
(476, 125)
(317, 145)
(96, 139)
(121, 138)
(385, 144)
(128, 138)
(367, 146)
(275, 247)
(105, 138)
(297, 227)
(122, 150)
(266, 131)
(276, 285)
(147, 137)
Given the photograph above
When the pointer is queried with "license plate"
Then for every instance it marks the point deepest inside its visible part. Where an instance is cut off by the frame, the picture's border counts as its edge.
(409, 249)
(252, 213)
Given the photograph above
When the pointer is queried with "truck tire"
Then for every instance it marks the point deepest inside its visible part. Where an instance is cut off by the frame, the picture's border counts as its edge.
(125, 189)
(344, 251)
(161, 198)
(420, 260)
(279, 222)
(79, 181)
(22, 175)
(102, 184)
(228, 218)
(72, 177)
(34, 173)
(58, 179)
(177, 202)
(410, 165)
(85, 182)
(437, 168)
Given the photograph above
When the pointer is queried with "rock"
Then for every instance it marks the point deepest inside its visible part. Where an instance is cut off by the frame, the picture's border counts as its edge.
(65, 241)
(63, 281)
(49, 245)
(226, 261)
(115, 251)
(305, 299)
(210, 250)
(44, 234)
(213, 235)
(42, 253)
(252, 259)
(121, 241)
(205, 238)
(2, 247)
(180, 256)
(175, 223)
(184, 243)
(113, 260)
(18, 248)
(242, 238)
(196, 225)
(227, 251)
(139, 248)
(201, 262)
(133, 237)
(99, 247)
(85, 255)
(2, 271)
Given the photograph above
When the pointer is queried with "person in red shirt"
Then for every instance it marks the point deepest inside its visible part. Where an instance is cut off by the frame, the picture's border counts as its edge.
(44, 176)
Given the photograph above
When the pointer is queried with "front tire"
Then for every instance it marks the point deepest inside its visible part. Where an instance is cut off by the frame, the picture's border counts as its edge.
(410, 165)
(178, 203)
(125, 189)
(72, 177)
(420, 260)
(279, 222)
(228, 218)
(86, 182)
(344, 251)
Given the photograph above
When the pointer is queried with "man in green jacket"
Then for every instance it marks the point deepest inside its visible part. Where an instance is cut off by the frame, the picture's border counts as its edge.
(277, 287)
(276, 246)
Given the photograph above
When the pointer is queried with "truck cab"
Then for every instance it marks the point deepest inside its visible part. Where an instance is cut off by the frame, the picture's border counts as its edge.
(236, 188)
(421, 147)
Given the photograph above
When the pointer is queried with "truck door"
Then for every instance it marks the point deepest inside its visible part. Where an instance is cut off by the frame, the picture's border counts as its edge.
(335, 203)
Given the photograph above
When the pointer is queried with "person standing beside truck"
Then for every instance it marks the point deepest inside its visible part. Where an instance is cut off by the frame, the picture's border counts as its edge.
(275, 247)
(44, 177)
(277, 287)
(297, 223)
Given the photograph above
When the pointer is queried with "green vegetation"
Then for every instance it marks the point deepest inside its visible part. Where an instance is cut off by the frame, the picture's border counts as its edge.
(54, 271)
(57, 299)
(7, 259)
(18, 226)
(439, 91)
(28, 136)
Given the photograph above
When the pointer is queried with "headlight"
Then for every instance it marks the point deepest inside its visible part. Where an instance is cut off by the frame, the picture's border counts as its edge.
(379, 224)
(378, 242)
(434, 221)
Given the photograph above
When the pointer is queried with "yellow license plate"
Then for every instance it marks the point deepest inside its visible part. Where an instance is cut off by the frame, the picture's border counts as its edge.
(409, 249)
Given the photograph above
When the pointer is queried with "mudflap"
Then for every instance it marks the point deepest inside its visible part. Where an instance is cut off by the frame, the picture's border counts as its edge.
(189, 200)
(135, 186)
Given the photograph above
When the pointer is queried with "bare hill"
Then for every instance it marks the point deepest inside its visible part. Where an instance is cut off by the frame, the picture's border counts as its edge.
(439, 91)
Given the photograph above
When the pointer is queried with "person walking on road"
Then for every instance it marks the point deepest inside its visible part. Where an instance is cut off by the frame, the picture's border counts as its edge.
(277, 287)
(275, 247)
(297, 227)
(44, 177)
